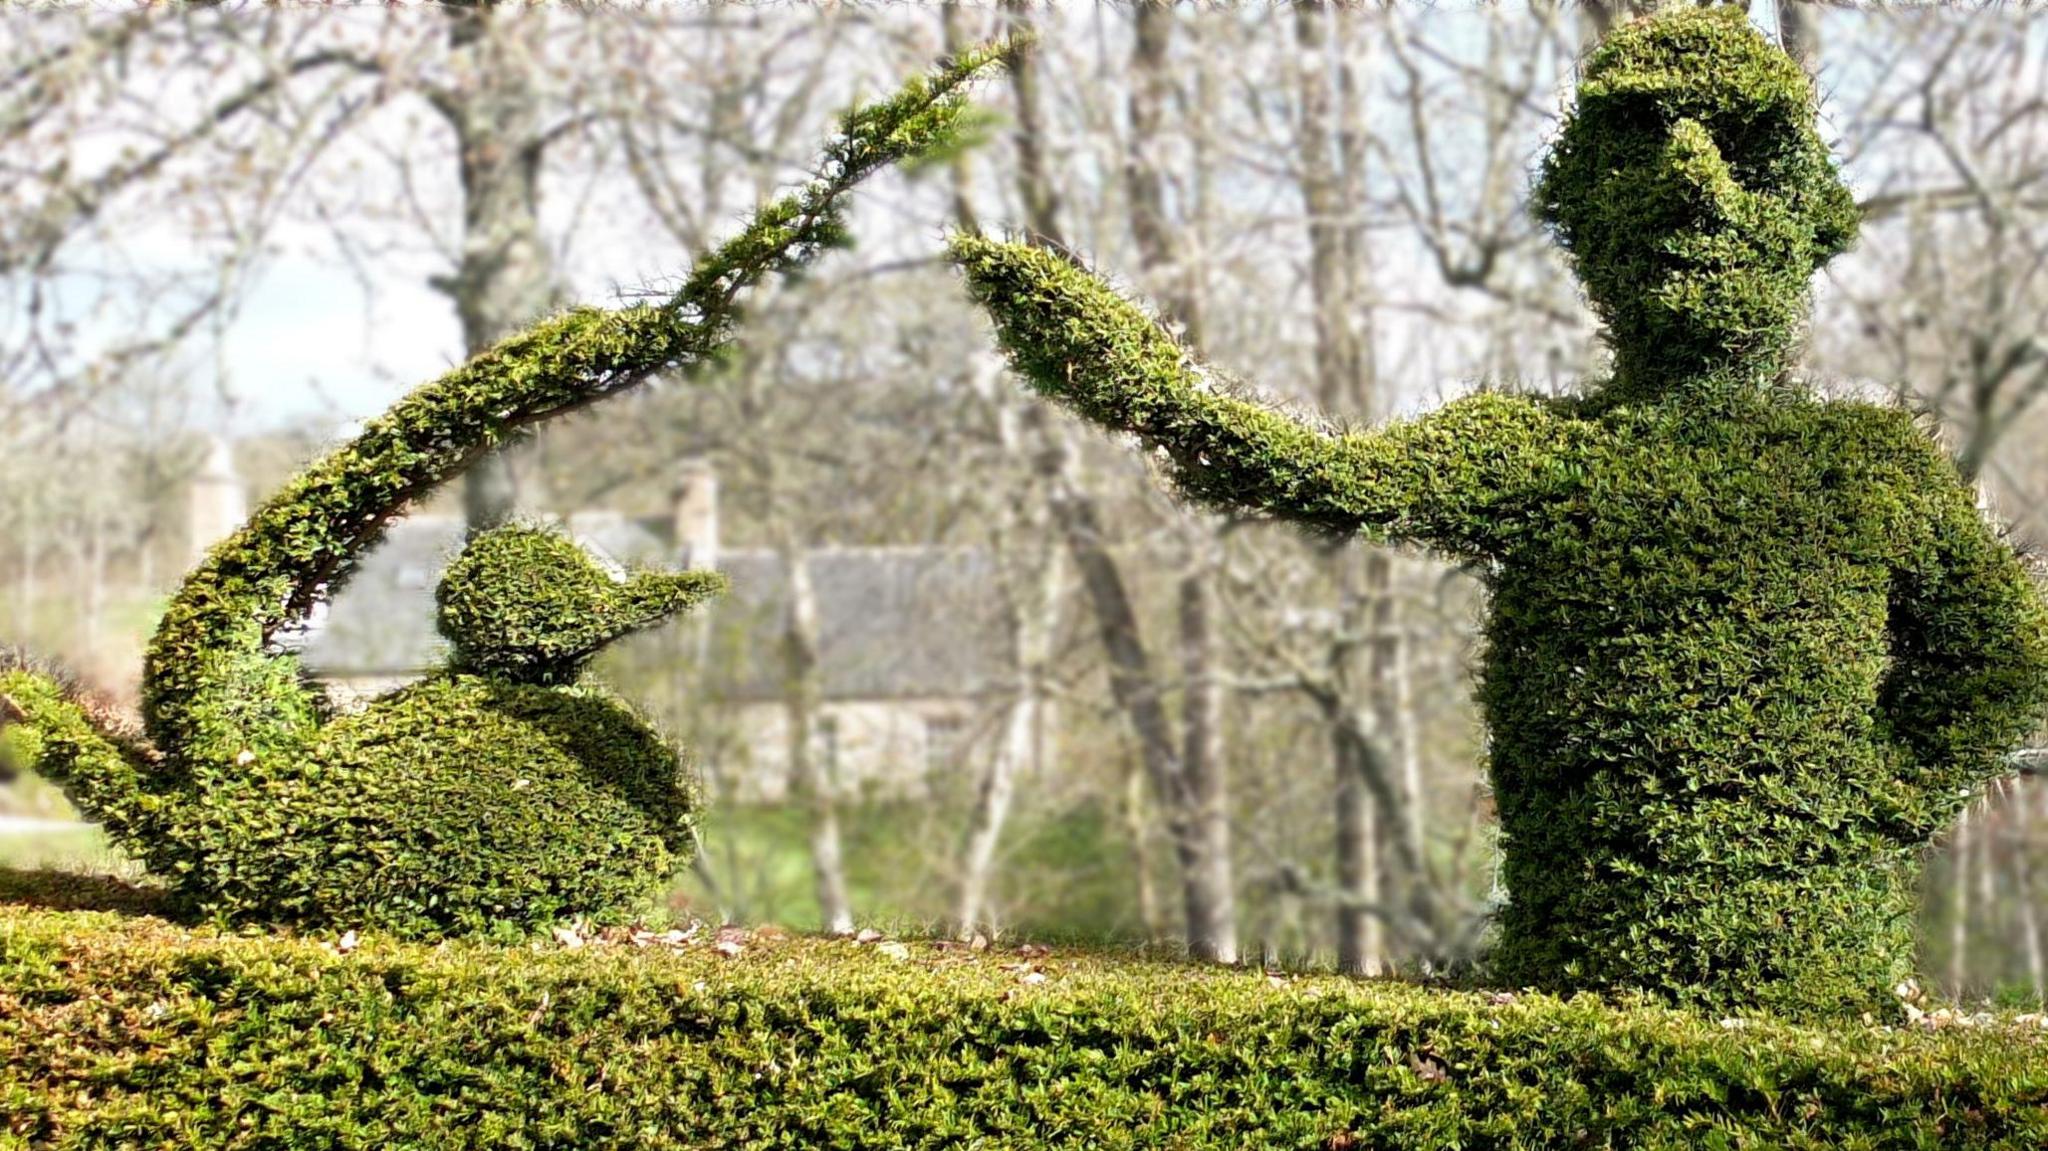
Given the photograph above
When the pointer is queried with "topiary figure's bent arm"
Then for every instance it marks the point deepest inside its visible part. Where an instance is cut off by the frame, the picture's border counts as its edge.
(215, 695)
(1448, 480)
(1968, 680)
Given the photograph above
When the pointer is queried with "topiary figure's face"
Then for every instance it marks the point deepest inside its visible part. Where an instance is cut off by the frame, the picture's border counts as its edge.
(1695, 197)
(527, 605)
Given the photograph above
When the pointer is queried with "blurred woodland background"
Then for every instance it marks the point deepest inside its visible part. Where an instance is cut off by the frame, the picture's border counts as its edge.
(978, 674)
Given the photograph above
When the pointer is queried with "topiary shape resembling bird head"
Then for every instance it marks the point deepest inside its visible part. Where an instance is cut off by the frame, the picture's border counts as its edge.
(1695, 197)
(529, 605)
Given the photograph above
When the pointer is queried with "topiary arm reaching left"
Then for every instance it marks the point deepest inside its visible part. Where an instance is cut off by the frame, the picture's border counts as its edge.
(214, 695)
(1450, 479)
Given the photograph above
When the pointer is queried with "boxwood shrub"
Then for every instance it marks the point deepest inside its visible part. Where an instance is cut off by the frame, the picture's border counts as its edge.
(123, 1031)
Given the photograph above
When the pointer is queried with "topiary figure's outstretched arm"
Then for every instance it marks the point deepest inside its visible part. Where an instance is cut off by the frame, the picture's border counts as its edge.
(1449, 480)
(1968, 680)
(215, 696)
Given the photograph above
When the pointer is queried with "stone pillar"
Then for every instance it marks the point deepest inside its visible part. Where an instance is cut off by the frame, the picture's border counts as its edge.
(694, 513)
(218, 501)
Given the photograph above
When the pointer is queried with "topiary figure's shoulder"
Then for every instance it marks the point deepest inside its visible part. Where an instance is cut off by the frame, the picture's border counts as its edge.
(1888, 451)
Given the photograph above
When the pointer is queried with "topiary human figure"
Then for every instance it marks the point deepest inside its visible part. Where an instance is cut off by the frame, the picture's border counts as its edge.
(500, 790)
(1748, 652)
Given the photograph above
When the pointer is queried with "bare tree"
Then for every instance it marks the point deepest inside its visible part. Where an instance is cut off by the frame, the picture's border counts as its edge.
(503, 276)
(1184, 771)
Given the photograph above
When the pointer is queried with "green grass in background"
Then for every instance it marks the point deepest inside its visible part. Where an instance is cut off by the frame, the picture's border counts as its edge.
(1064, 874)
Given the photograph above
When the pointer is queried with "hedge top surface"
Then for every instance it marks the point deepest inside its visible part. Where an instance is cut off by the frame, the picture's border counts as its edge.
(1747, 652)
(118, 1030)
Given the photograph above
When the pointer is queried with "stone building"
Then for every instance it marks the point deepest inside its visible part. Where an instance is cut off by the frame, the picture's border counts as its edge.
(914, 661)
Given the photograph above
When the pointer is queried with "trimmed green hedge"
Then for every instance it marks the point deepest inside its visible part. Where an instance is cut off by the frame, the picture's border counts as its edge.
(126, 1031)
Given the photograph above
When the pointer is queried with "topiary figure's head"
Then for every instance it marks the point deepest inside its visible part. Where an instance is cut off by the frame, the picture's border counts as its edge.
(528, 605)
(1695, 197)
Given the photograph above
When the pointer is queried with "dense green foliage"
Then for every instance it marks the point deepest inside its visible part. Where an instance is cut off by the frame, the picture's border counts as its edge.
(463, 800)
(126, 1032)
(47, 721)
(1748, 652)
(524, 604)
(516, 804)
(1695, 197)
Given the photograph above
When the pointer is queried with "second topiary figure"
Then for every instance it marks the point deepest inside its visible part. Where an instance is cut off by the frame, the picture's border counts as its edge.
(1748, 652)
(500, 791)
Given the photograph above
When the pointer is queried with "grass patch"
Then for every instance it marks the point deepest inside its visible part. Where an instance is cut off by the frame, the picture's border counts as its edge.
(121, 1029)
(77, 849)
(1065, 872)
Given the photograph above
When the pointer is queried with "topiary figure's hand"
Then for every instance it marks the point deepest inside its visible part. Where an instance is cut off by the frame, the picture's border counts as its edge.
(527, 605)
(1968, 670)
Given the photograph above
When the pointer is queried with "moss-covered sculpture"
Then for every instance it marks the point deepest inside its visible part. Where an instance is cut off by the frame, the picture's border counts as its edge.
(497, 791)
(1748, 652)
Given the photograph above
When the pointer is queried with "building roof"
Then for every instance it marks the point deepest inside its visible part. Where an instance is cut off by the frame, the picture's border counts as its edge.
(893, 622)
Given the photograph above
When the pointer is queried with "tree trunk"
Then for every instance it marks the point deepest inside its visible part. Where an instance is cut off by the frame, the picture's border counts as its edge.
(810, 779)
(504, 278)
(2025, 814)
(1133, 684)
(1211, 896)
(1030, 608)
(985, 821)
(1799, 33)
(1361, 940)
(1138, 834)
(1365, 654)
(1041, 199)
(1204, 821)
(1960, 850)
(1392, 712)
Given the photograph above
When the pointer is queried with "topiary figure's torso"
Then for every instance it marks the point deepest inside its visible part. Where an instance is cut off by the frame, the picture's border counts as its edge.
(1741, 666)
(1748, 652)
